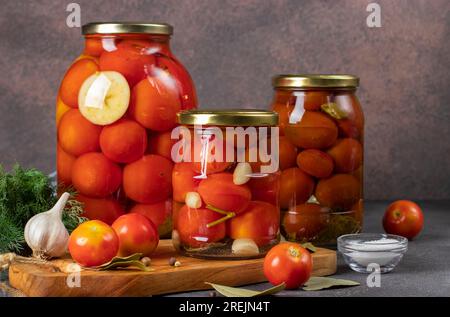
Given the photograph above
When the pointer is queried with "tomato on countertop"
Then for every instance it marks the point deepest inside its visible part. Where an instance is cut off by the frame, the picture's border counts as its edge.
(288, 263)
(404, 218)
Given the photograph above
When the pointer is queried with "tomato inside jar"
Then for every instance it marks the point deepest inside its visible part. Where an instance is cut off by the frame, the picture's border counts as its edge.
(321, 147)
(226, 182)
(116, 107)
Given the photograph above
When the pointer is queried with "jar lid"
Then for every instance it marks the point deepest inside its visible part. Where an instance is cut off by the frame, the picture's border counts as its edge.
(229, 117)
(127, 27)
(315, 81)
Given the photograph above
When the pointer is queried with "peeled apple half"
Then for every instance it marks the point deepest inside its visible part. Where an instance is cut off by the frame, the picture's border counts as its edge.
(104, 97)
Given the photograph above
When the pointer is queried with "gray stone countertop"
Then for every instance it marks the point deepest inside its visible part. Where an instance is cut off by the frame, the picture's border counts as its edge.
(424, 270)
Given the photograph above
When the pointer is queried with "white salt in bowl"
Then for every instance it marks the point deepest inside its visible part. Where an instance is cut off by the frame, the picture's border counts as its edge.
(367, 252)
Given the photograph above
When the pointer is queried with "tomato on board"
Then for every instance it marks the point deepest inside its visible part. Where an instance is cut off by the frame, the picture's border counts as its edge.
(137, 234)
(288, 263)
(93, 243)
(403, 218)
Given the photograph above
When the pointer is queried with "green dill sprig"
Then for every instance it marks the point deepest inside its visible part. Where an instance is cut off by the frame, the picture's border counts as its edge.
(23, 194)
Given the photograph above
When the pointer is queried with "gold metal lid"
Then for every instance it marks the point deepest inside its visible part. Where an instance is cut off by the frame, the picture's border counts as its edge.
(228, 117)
(127, 28)
(315, 81)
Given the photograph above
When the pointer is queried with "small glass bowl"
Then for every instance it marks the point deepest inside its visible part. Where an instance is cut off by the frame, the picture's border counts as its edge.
(364, 252)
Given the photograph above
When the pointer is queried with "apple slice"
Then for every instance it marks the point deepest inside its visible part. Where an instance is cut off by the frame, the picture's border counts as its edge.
(104, 97)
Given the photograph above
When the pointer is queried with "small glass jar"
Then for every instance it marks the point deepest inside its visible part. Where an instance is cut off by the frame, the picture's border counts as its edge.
(115, 110)
(225, 183)
(321, 156)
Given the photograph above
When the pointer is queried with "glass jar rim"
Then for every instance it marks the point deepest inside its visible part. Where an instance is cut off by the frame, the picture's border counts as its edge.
(300, 81)
(127, 28)
(228, 117)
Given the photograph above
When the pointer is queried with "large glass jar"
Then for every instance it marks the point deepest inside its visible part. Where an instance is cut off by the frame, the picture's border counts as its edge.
(115, 110)
(321, 156)
(225, 183)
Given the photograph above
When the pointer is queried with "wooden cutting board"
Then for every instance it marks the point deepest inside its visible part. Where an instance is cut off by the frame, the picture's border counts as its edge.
(51, 279)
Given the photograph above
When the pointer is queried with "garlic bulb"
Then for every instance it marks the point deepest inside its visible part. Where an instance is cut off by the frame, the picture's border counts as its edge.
(45, 233)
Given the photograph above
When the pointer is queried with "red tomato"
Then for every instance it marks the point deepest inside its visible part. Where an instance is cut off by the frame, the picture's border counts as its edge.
(156, 213)
(288, 263)
(130, 59)
(93, 243)
(404, 218)
(104, 209)
(183, 80)
(136, 233)
(193, 230)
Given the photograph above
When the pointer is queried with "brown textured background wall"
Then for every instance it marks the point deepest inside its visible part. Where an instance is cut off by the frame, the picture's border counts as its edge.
(232, 48)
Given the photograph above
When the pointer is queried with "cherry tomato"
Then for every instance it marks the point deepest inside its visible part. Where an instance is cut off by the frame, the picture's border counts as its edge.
(220, 191)
(260, 222)
(74, 78)
(149, 179)
(93, 243)
(137, 234)
(130, 59)
(192, 226)
(404, 218)
(287, 153)
(93, 46)
(288, 263)
(154, 104)
(176, 72)
(284, 110)
(305, 222)
(104, 209)
(94, 175)
(64, 163)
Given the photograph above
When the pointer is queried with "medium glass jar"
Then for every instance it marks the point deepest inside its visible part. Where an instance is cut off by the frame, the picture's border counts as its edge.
(321, 156)
(115, 110)
(225, 183)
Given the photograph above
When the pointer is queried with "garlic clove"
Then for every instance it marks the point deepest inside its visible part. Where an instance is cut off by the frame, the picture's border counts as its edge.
(45, 232)
(244, 247)
(242, 172)
(193, 200)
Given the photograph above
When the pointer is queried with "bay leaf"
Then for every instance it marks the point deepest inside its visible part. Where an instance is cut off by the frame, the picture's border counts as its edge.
(229, 291)
(333, 110)
(319, 283)
(132, 257)
(129, 263)
(309, 246)
(132, 260)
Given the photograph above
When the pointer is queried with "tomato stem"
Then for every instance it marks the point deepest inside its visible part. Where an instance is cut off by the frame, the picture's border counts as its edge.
(397, 213)
(220, 211)
(228, 215)
(294, 252)
(219, 221)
